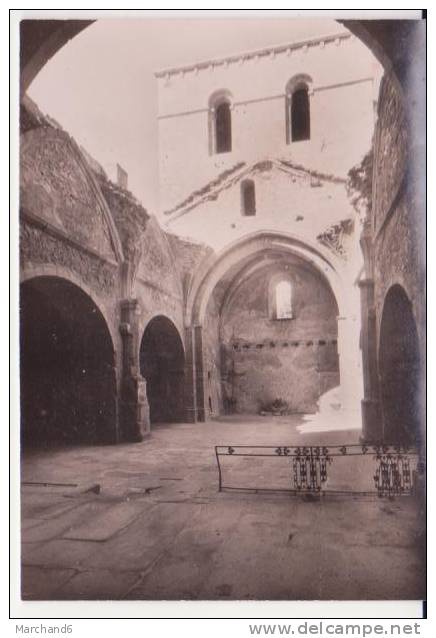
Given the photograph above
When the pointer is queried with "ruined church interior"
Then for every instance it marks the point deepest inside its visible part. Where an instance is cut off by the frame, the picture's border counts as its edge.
(222, 394)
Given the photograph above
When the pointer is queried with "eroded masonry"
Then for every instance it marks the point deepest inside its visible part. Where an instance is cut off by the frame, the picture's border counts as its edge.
(262, 332)
(284, 271)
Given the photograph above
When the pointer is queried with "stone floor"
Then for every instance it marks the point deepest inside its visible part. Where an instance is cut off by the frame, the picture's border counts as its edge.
(160, 530)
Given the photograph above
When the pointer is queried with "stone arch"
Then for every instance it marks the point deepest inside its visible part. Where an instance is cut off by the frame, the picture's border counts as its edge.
(215, 267)
(220, 95)
(243, 258)
(67, 365)
(162, 364)
(55, 270)
(298, 81)
(40, 42)
(399, 369)
(290, 354)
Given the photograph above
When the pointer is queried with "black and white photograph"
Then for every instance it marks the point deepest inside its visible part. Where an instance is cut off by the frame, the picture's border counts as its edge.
(222, 307)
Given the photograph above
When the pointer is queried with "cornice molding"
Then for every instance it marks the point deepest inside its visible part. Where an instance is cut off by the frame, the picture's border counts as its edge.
(272, 51)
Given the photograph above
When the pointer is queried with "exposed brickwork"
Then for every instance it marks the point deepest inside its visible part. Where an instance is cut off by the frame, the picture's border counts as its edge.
(391, 150)
(80, 227)
(266, 359)
(55, 187)
(397, 257)
(38, 247)
(129, 215)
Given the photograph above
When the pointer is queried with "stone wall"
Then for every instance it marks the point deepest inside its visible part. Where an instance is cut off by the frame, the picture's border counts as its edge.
(264, 358)
(212, 355)
(66, 228)
(158, 284)
(341, 71)
(79, 228)
(394, 251)
(55, 186)
(397, 251)
(289, 199)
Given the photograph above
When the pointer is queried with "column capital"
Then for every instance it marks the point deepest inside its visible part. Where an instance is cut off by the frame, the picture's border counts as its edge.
(367, 282)
(129, 304)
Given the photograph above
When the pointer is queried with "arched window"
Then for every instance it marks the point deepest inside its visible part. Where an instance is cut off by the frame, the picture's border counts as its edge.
(300, 115)
(223, 128)
(220, 122)
(298, 109)
(283, 300)
(248, 198)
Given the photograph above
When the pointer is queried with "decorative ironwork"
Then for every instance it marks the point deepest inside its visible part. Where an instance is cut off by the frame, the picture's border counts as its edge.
(310, 468)
(393, 476)
(392, 470)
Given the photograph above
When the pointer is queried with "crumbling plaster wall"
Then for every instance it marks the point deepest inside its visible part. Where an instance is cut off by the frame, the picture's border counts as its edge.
(287, 200)
(64, 230)
(158, 283)
(398, 252)
(266, 359)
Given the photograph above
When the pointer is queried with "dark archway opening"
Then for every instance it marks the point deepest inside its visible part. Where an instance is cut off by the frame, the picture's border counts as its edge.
(162, 364)
(68, 386)
(399, 369)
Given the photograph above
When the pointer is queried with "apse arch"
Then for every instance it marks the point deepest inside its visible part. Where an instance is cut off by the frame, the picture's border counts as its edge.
(67, 366)
(162, 364)
(399, 369)
(259, 244)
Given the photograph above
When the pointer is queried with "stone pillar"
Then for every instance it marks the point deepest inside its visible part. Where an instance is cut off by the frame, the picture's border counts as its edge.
(350, 373)
(371, 413)
(134, 408)
(370, 404)
(190, 394)
(194, 394)
(199, 374)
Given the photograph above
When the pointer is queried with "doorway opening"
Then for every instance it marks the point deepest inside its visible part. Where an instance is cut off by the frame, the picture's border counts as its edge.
(399, 369)
(68, 386)
(162, 364)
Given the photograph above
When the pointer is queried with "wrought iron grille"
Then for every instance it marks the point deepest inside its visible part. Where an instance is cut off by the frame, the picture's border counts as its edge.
(368, 469)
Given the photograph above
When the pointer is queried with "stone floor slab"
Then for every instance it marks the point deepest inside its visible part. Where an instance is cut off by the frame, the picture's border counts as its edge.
(111, 520)
(98, 585)
(39, 583)
(186, 540)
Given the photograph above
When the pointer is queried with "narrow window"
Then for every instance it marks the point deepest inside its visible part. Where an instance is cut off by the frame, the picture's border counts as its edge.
(223, 128)
(283, 300)
(248, 197)
(300, 115)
